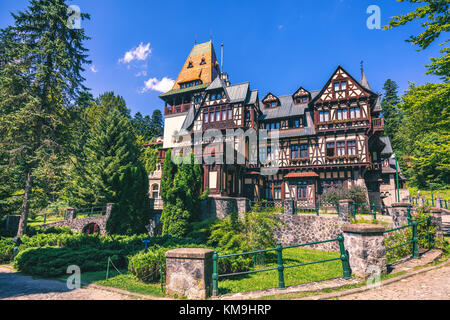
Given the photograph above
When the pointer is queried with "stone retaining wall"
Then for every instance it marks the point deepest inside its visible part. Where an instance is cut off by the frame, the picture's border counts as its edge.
(80, 224)
(305, 228)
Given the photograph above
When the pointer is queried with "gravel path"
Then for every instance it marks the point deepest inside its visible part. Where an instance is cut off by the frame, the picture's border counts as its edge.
(431, 285)
(15, 286)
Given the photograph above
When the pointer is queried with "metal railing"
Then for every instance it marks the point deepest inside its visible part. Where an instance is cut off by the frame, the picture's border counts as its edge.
(414, 235)
(280, 263)
(94, 211)
(433, 202)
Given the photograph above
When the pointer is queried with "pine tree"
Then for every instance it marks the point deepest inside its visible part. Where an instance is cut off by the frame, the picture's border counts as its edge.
(40, 77)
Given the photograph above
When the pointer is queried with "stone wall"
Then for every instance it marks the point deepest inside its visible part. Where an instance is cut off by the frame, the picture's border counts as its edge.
(305, 228)
(80, 224)
(221, 207)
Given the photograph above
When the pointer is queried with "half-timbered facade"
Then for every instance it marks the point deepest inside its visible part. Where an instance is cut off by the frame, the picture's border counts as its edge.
(326, 137)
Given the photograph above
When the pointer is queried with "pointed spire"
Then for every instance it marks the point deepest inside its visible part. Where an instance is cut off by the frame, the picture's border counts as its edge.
(364, 81)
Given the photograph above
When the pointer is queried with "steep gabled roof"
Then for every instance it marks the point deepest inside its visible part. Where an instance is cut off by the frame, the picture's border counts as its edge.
(325, 87)
(238, 92)
(206, 72)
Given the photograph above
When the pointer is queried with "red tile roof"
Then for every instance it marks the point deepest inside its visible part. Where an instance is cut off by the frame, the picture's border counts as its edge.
(302, 175)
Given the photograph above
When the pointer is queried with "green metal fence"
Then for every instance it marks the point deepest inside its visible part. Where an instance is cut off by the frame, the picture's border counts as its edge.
(414, 241)
(94, 211)
(280, 267)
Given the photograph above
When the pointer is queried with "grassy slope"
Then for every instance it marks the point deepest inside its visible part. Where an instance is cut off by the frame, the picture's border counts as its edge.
(292, 276)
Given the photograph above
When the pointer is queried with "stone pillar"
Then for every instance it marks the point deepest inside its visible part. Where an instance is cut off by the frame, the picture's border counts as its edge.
(365, 246)
(70, 214)
(189, 272)
(345, 210)
(242, 205)
(109, 209)
(400, 214)
(421, 201)
(289, 207)
(436, 220)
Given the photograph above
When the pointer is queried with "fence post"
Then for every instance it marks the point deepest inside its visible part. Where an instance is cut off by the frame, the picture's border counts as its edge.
(317, 208)
(347, 272)
(215, 275)
(374, 211)
(107, 269)
(429, 234)
(280, 266)
(338, 209)
(354, 210)
(45, 218)
(415, 240)
(408, 212)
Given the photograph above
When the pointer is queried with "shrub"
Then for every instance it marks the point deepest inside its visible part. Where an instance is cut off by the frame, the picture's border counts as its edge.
(355, 193)
(32, 231)
(54, 261)
(6, 250)
(253, 232)
(146, 265)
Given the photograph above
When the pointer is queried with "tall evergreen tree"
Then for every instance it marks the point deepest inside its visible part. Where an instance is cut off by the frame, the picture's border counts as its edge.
(130, 214)
(110, 149)
(40, 77)
(156, 123)
(181, 196)
(391, 112)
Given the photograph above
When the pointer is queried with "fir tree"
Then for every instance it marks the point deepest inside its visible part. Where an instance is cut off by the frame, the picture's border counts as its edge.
(40, 77)
(391, 113)
(131, 213)
(110, 149)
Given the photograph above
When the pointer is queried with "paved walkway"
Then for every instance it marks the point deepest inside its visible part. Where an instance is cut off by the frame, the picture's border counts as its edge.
(16, 286)
(431, 285)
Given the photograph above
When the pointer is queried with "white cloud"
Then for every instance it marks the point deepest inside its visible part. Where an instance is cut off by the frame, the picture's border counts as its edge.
(140, 53)
(93, 69)
(142, 73)
(163, 85)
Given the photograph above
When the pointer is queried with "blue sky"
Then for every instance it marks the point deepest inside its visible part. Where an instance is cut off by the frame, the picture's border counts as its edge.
(276, 45)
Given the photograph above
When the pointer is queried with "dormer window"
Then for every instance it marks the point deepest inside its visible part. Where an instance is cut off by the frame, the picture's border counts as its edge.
(203, 62)
(299, 100)
(340, 86)
(190, 65)
(215, 96)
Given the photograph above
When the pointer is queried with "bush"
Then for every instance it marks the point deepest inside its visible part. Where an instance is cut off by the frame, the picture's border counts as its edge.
(356, 193)
(32, 231)
(146, 265)
(54, 261)
(6, 250)
(253, 232)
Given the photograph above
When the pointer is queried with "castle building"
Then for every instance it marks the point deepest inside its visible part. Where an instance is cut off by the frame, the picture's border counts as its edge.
(332, 136)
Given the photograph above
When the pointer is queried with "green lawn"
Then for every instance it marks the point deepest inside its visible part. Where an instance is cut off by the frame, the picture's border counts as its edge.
(443, 193)
(124, 281)
(292, 276)
(39, 220)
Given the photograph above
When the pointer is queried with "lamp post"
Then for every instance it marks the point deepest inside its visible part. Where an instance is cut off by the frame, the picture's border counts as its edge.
(396, 173)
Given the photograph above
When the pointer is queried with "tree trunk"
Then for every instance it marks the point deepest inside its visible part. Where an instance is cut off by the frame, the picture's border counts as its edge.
(25, 206)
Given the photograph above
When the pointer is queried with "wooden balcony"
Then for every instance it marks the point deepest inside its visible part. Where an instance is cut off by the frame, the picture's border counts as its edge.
(378, 124)
(168, 110)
